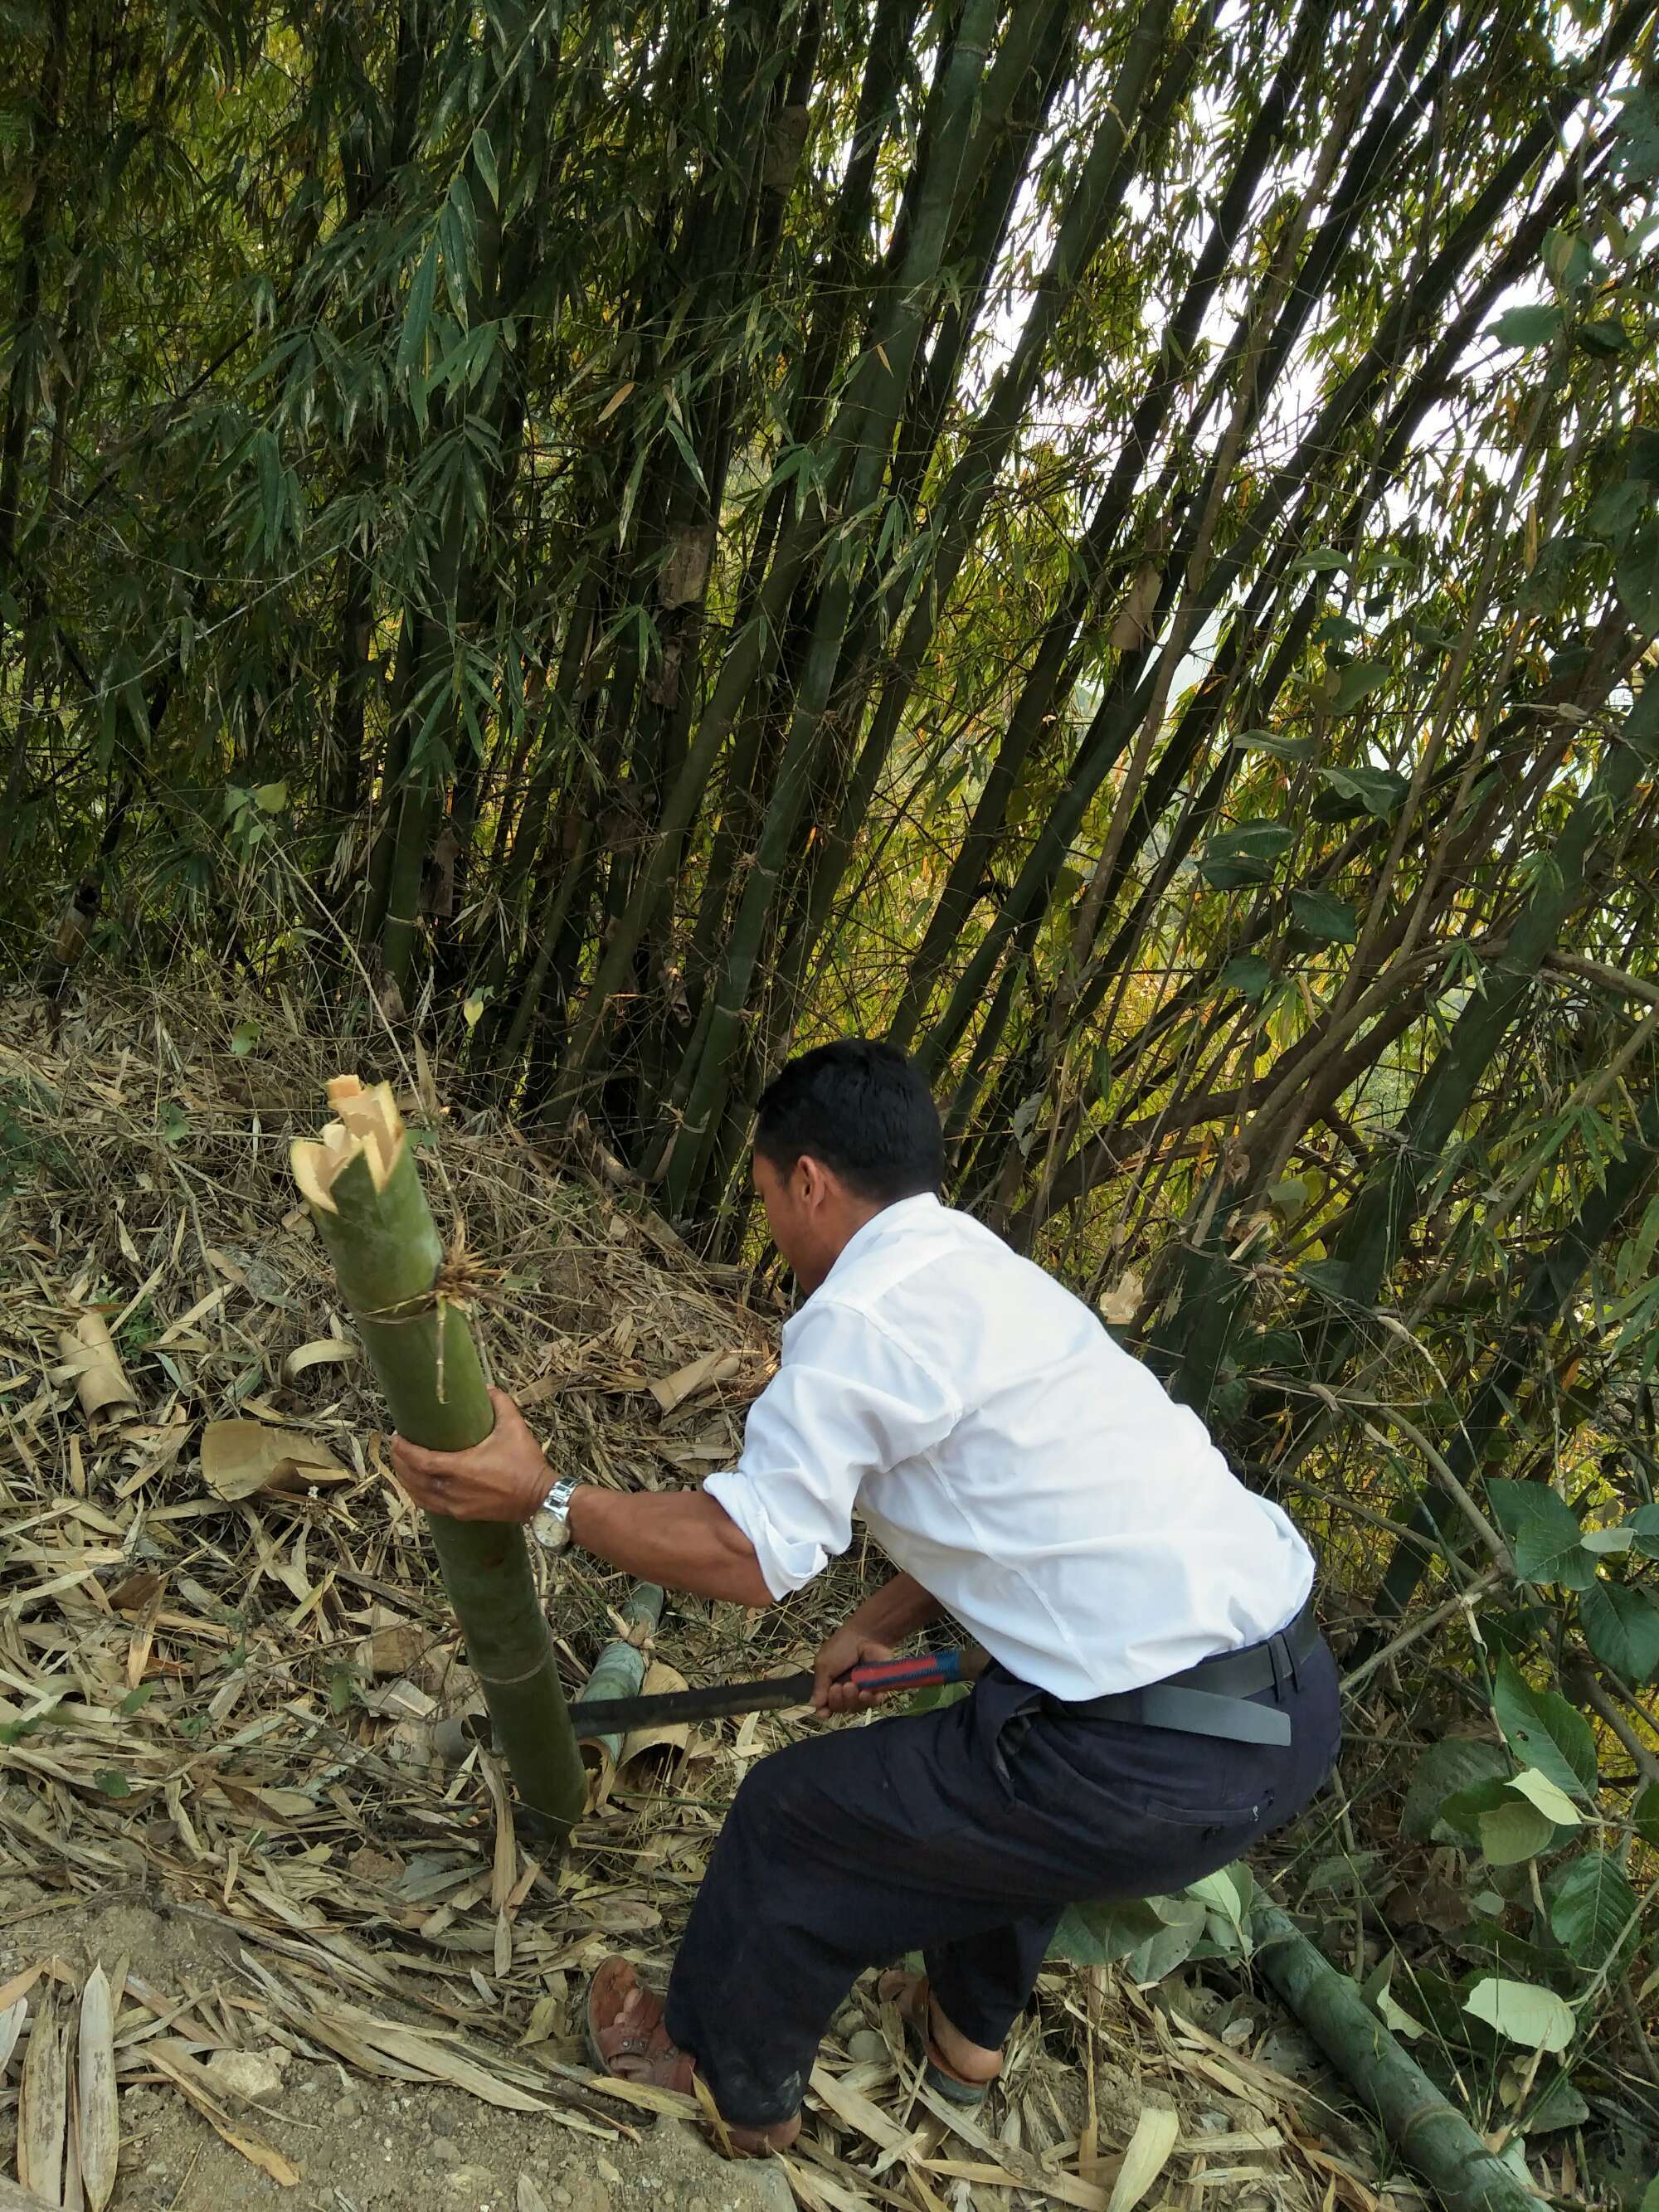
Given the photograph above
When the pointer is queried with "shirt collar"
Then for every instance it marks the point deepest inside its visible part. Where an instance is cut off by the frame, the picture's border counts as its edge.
(902, 1213)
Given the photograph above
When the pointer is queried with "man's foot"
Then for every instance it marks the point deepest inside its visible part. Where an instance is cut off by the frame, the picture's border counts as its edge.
(958, 2068)
(626, 2037)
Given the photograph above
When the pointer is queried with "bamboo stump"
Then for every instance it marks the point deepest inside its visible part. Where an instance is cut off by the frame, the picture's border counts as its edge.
(360, 1181)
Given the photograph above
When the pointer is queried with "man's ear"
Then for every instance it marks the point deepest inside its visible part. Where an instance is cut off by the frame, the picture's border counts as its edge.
(817, 1183)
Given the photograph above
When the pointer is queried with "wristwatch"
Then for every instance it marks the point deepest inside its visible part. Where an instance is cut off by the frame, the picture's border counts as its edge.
(549, 1524)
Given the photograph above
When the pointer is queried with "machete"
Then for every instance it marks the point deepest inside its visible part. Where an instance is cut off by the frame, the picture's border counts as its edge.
(594, 1716)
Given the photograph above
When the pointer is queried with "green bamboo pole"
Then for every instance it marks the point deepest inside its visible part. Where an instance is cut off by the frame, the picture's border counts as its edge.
(618, 1672)
(1429, 2134)
(371, 1213)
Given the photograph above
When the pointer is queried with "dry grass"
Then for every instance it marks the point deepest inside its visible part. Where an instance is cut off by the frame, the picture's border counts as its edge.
(231, 1705)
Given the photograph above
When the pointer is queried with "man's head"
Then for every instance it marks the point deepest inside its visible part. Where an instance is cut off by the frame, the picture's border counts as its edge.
(844, 1131)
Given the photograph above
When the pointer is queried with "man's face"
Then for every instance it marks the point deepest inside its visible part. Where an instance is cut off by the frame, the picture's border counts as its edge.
(803, 1215)
(781, 1206)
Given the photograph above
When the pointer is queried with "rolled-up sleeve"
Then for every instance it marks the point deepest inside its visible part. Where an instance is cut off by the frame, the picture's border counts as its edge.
(849, 1400)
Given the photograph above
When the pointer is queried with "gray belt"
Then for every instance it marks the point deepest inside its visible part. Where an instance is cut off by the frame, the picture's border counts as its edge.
(1213, 1698)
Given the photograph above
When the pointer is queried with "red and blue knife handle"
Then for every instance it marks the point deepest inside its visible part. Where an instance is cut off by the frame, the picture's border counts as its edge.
(922, 1673)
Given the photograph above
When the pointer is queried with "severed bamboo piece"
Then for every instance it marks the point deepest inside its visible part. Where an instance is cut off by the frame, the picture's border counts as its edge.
(1429, 2133)
(360, 1181)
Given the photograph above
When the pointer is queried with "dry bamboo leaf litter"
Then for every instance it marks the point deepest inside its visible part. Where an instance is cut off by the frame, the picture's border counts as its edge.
(230, 1704)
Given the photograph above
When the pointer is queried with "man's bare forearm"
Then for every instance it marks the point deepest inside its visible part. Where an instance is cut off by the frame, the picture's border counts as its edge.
(679, 1538)
(896, 1610)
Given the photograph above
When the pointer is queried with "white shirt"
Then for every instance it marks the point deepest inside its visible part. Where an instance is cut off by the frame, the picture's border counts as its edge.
(1004, 1450)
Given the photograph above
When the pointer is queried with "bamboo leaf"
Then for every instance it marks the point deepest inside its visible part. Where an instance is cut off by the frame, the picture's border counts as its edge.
(98, 2126)
(418, 315)
(484, 156)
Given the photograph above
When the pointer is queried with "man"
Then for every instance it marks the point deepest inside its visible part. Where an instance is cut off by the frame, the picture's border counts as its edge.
(1157, 1697)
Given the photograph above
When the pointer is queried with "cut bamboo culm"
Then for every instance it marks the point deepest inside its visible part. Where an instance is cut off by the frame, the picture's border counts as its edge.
(360, 1182)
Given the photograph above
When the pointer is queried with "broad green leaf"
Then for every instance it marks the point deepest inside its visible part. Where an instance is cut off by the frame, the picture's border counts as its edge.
(1356, 682)
(1604, 337)
(1636, 128)
(244, 1037)
(1320, 559)
(1378, 790)
(1543, 1730)
(1543, 1533)
(1606, 1542)
(1265, 741)
(1094, 1935)
(1536, 2019)
(1396, 2019)
(1245, 854)
(1328, 921)
(270, 798)
(112, 1783)
(1249, 975)
(937, 1694)
(1618, 510)
(1645, 1525)
(472, 1008)
(1650, 2196)
(1525, 326)
(1567, 257)
(1590, 1906)
(1226, 1892)
(1455, 1763)
(1559, 2106)
(1173, 1944)
(1621, 1626)
(1553, 1804)
(1379, 1994)
(1514, 1832)
(1644, 1814)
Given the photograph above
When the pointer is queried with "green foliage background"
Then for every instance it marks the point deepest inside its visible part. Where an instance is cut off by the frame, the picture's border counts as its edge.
(1117, 548)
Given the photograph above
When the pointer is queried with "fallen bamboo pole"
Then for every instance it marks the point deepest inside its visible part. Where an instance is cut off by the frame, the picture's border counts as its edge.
(1429, 2133)
(360, 1182)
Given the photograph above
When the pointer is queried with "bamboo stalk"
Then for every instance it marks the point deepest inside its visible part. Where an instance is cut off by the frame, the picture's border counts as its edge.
(1428, 2132)
(618, 1672)
(365, 1196)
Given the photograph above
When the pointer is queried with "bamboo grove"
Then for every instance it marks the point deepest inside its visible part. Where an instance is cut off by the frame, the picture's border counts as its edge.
(1118, 547)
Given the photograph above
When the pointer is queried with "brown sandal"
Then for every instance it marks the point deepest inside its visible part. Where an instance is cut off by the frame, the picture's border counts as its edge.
(914, 2001)
(627, 2037)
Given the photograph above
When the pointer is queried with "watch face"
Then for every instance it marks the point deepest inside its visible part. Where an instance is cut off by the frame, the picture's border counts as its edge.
(550, 1530)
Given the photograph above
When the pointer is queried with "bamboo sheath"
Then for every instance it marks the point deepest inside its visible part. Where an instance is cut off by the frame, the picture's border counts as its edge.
(366, 1198)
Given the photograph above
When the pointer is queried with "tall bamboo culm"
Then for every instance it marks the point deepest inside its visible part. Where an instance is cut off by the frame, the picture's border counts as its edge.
(360, 1182)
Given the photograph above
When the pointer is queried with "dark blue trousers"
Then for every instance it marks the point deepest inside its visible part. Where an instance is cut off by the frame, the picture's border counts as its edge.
(964, 1833)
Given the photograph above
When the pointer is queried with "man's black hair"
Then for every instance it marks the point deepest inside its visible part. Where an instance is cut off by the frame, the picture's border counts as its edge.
(860, 1106)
